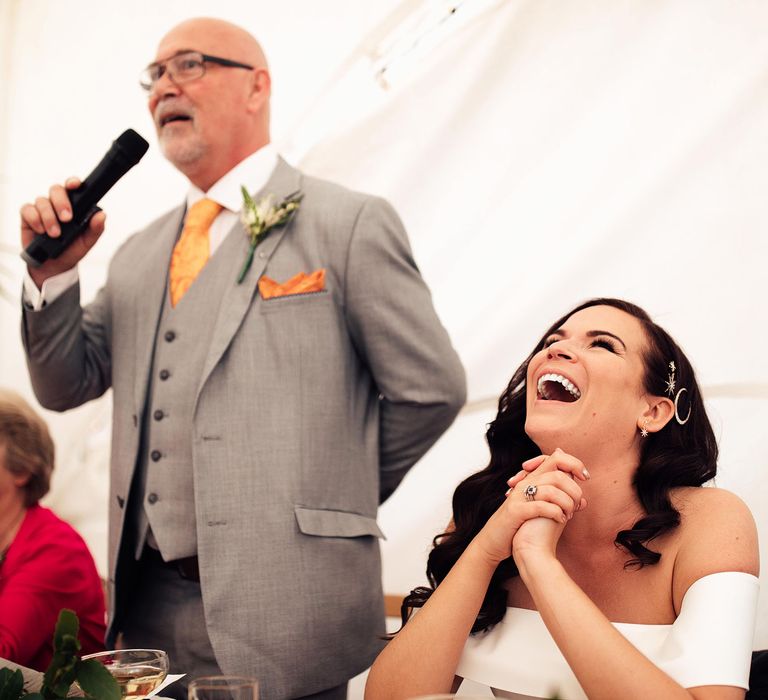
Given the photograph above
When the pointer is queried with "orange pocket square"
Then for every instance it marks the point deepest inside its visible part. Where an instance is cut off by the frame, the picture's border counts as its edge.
(301, 283)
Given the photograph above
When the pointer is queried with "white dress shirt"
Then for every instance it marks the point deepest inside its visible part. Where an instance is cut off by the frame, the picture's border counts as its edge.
(253, 172)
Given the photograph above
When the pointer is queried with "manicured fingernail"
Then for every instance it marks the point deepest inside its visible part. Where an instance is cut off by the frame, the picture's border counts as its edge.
(585, 473)
(563, 518)
(55, 231)
(508, 492)
(65, 215)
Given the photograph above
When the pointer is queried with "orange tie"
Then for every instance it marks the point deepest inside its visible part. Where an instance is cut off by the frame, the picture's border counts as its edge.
(192, 250)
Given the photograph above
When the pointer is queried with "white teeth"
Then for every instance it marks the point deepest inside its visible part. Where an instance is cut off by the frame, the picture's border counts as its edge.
(572, 389)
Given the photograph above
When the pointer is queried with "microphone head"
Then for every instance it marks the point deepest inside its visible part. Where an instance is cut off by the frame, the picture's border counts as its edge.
(131, 146)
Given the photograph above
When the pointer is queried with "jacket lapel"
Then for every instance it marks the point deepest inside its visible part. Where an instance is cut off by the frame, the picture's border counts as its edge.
(238, 298)
(150, 296)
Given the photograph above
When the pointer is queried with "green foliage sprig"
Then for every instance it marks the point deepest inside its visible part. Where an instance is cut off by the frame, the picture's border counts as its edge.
(66, 668)
(11, 684)
(261, 217)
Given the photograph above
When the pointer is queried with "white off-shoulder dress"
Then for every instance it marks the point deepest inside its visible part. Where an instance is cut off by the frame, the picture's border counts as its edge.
(710, 643)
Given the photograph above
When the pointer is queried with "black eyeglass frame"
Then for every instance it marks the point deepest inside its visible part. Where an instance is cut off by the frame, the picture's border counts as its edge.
(206, 58)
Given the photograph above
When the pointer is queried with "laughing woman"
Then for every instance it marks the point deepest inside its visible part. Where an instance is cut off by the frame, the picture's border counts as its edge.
(585, 560)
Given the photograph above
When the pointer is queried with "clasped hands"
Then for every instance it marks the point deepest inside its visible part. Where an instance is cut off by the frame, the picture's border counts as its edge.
(521, 524)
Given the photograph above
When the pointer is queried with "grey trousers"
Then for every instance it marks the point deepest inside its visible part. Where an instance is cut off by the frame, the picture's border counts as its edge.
(166, 612)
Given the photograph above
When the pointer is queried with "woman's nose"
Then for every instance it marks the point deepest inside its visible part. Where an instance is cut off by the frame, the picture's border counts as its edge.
(560, 351)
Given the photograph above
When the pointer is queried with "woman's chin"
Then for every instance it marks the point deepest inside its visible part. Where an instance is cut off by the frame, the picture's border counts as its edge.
(548, 438)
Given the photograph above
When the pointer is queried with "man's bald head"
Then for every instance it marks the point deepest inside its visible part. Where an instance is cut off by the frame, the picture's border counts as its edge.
(210, 123)
(217, 37)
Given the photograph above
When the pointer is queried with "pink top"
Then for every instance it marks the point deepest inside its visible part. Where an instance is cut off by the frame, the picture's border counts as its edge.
(47, 567)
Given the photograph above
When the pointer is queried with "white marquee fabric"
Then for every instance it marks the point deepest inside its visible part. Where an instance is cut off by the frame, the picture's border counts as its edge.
(540, 153)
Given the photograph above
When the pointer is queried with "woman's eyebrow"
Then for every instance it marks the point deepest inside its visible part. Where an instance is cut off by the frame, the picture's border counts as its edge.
(594, 334)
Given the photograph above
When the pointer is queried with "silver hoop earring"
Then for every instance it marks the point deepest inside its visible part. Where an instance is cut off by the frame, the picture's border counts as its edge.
(681, 421)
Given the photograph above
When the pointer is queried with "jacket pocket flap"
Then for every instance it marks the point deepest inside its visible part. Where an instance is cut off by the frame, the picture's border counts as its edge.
(335, 523)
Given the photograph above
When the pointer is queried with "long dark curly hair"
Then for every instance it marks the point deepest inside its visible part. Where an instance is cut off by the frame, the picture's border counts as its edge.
(677, 455)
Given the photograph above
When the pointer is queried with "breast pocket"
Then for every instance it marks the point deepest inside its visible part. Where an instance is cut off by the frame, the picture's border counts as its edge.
(335, 523)
(295, 301)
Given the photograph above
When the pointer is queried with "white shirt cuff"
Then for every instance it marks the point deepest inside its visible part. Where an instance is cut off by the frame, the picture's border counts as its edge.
(35, 299)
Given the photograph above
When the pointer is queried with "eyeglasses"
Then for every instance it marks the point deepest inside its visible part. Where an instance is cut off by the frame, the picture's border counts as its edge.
(183, 68)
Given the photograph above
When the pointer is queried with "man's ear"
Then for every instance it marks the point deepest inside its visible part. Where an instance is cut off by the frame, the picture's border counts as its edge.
(261, 87)
(659, 411)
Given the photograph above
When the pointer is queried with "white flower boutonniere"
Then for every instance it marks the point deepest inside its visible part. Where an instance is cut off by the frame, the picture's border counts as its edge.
(261, 217)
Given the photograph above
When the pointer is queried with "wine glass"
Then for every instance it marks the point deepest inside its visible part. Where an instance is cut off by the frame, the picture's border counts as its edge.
(224, 688)
(137, 671)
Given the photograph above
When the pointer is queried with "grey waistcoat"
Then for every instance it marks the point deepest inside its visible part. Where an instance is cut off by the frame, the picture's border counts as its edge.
(164, 500)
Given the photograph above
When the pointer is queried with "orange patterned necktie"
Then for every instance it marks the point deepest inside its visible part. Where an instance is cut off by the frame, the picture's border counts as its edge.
(192, 250)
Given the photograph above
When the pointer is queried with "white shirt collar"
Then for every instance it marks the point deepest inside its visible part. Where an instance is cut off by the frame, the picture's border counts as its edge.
(253, 172)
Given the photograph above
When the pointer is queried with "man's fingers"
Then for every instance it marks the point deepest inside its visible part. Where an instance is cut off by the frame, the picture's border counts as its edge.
(95, 228)
(60, 202)
(30, 218)
(48, 216)
(96, 222)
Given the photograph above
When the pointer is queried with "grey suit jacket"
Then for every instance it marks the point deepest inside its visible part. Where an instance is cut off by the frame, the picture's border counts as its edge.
(309, 412)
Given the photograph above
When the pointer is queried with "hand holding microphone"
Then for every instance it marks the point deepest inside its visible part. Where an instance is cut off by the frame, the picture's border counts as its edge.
(57, 231)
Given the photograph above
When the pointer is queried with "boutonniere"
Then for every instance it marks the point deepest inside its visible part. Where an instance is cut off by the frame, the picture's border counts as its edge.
(261, 217)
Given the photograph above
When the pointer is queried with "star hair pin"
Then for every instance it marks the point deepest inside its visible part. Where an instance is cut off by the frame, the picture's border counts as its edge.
(671, 379)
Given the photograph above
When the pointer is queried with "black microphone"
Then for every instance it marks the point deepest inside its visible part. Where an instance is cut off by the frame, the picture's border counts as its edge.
(126, 151)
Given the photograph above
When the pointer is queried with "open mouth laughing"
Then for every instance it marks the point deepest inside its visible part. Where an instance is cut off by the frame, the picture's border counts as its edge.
(556, 387)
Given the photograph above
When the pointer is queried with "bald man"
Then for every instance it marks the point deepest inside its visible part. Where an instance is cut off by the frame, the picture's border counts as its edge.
(261, 412)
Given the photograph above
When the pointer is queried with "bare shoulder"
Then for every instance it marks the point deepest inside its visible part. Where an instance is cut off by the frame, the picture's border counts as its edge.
(717, 533)
(697, 503)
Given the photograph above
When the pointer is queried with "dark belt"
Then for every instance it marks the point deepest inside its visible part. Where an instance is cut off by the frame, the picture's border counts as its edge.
(187, 568)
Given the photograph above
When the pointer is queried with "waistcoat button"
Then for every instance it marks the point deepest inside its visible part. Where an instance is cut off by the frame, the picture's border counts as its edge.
(158, 414)
(170, 336)
(153, 498)
(164, 374)
(155, 455)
